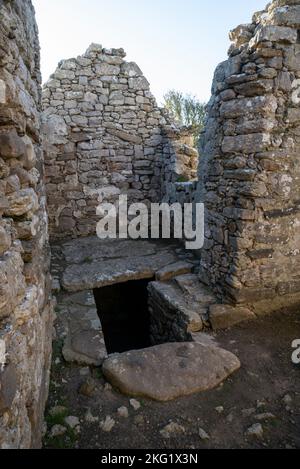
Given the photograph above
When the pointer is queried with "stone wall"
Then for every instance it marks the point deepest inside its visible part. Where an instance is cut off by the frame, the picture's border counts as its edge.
(106, 136)
(25, 308)
(250, 167)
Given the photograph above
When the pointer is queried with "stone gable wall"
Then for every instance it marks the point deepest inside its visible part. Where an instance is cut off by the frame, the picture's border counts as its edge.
(25, 307)
(105, 135)
(250, 167)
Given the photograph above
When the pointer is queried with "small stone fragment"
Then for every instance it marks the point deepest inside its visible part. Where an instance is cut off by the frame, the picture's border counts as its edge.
(220, 409)
(135, 404)
(172, 429)
(72, 421)
(57, 430)
(123, 412)
(89, 418)
(255, 430)
(108, 424)
(203, 435)
(88, 388)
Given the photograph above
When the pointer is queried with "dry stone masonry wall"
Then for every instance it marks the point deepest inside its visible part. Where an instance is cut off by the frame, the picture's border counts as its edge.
(25, 308)
(250, 170)
(106, 136)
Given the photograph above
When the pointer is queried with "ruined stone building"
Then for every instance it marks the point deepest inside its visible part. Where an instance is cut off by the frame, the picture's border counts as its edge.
(97, 131)
(105, 135)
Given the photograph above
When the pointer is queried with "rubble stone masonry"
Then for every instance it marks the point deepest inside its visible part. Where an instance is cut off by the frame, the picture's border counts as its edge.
(105, 135)
(25, 308)
(250, 167)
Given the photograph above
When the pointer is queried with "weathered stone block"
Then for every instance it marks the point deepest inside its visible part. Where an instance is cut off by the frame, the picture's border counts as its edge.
(274, 34)
(138, 83)
(11, 145)
(264, 105)
(22, 202)
(251, 143)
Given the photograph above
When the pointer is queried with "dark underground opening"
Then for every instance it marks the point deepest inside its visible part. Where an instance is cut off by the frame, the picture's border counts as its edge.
(124, 315)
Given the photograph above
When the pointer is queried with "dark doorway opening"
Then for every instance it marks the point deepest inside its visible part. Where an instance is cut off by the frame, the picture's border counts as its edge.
(124, 315)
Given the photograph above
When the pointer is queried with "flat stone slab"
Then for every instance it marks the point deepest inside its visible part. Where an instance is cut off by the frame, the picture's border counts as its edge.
(168, 371)
(92, 248)
(84, 341)
(226, 316)
(102, 273)
(172, 270)
(86, 347)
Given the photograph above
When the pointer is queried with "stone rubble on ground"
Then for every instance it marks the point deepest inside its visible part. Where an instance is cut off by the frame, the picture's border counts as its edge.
(89, 418)
(72, 422)
(136, 405)
(255, 430)
(108, 424)
(171, 430)
(123, 412)
(203, 435)
(57, 430)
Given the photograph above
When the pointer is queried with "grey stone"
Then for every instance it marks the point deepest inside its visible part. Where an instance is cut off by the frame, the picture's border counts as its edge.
(85, 347)
(168, 371)
(255, 431)
(173, 270)
(171, 430)
(225, 316)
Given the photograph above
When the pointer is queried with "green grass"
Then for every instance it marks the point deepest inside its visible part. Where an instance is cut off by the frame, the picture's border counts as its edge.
(57, 419)
(57, 347)
(66, 441)
(183, 179)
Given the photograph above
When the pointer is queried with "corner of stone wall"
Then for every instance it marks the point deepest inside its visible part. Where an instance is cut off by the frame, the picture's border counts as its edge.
(250, 168)
(25, 302)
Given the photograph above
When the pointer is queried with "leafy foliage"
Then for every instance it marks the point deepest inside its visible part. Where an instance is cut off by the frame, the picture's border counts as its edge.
(187, 110)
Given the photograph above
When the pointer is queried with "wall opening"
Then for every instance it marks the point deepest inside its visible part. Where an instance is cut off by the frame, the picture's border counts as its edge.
(124, 315)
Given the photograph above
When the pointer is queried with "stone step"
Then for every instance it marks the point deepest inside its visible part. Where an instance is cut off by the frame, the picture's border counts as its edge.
(173, 270)
(165, 298)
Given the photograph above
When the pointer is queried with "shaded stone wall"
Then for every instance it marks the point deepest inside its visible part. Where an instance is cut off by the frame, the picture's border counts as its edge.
(25, 308)
(250, 167)
(106, 136)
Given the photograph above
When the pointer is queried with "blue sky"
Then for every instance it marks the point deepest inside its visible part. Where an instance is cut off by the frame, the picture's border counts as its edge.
(177, 43)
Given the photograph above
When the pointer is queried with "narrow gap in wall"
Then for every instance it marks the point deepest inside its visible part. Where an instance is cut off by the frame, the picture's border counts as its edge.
(124, 315)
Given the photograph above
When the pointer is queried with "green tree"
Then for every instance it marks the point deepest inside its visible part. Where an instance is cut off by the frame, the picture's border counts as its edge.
(187, 110)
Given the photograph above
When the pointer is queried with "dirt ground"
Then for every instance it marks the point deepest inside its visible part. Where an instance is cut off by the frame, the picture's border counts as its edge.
(267, 383)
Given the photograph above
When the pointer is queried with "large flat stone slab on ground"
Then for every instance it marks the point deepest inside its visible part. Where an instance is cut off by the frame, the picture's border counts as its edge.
(168, 371)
